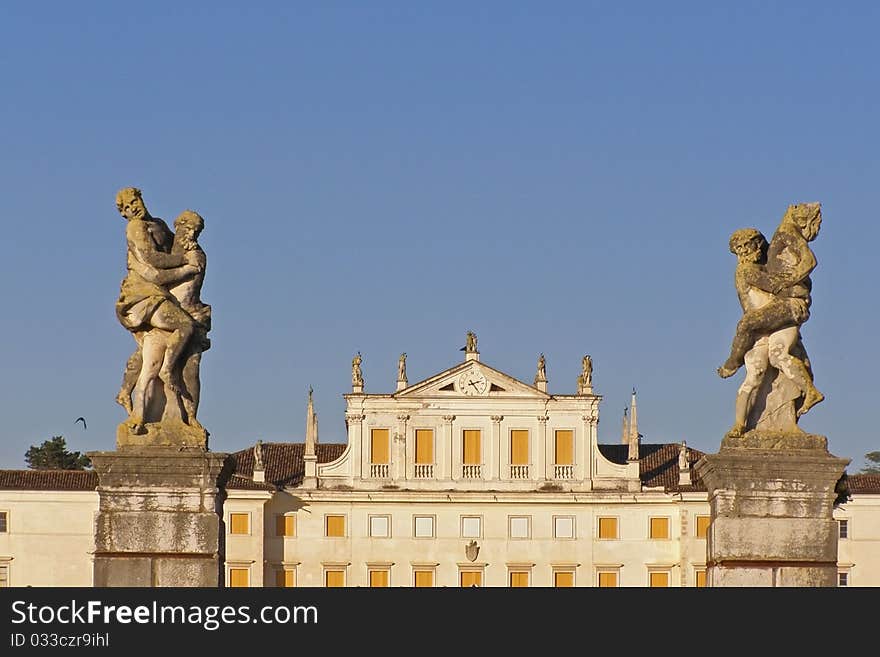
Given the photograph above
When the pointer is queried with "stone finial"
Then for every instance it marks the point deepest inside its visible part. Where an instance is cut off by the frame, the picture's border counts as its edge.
(624, 432)
(470, 347)
(634, 435)
(541, 374)
(585, 378)
(684, 468)
(357, 376)
(259, 468)
(311, 428)
(401, 372)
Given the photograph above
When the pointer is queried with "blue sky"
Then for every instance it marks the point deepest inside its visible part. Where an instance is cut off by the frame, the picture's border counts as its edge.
(559, 177)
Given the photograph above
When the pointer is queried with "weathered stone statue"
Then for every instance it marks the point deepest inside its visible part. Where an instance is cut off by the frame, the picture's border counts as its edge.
(357, 377)
(541, 374)
(773, 285)
(471, 343)
(401, 367)
(160, 303)
(585, 378)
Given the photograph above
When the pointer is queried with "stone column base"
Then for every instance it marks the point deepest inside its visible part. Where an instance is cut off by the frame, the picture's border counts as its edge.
(771, 513)
(158, 520)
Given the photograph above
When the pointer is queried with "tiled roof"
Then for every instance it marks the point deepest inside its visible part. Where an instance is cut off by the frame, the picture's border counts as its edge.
(658, 464)
(863, 483)
(48, 480)
(283, 463)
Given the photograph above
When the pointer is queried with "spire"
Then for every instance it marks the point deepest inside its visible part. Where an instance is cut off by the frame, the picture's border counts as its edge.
(634, 434)
(624, 431)
(311, 428)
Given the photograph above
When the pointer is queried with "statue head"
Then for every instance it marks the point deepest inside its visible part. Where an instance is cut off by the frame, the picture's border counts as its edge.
(748, 244)
(806, 218)
(130, 203)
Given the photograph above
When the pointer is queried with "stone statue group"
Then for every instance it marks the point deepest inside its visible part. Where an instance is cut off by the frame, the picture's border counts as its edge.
(160, 304)
(773, 284)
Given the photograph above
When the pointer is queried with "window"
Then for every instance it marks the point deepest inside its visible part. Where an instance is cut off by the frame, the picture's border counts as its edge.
(239, 577)
(658, 578)
(842, 526)
(379, 578)
(424, 446)
(842, 579)
(380, 526)
(334, 578)
(519, 447)
(471, 526)
(4, 576)
(471, 578)
(379, 445)
(285, 525)
(4, 522)
(423, 579)
(519, 579)
(423, 526)
(607, 579)
(520, 526)
(700, 578)
(607, 527)
(564, 447)
(285, 579)
(703, 526)
(239, 523)
(563, 579)
(334, 526)
(563, 526)
(659, 528)
(471, 446)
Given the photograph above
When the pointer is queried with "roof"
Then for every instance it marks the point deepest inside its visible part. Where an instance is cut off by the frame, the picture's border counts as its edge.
(863, 483)
(283, 464)
(658, 464)
(48, 480)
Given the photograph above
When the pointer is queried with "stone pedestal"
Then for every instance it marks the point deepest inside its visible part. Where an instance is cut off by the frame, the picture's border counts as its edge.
(158, 520)
(771, 513)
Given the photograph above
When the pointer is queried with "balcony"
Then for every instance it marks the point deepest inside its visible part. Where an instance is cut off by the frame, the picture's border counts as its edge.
(378, 470)
(563, 472)
(519, 472)
(423, 471)
(472, 471)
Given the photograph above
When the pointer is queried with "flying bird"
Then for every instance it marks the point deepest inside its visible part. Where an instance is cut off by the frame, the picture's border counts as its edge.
(80, 419)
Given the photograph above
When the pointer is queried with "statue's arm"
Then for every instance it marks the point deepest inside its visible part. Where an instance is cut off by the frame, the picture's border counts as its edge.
(163, 276)
(141, 245)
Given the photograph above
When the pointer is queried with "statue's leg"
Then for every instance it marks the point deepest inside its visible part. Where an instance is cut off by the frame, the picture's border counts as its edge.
(781, 343)
(129, 379)
(152, 353)
(775, 315)
(756, 361)
(192, 385)
(172, 318)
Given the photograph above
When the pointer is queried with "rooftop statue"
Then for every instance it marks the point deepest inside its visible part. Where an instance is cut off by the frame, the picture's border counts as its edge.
(160, 304)
(774, 289)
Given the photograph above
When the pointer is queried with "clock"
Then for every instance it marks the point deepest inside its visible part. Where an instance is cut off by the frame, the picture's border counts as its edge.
(473, 382)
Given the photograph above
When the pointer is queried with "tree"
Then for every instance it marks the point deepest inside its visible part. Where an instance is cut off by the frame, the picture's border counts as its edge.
(872, 460)
(54, 455)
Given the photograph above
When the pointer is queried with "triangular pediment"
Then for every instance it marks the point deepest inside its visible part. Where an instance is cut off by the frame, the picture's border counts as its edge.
(471, 380)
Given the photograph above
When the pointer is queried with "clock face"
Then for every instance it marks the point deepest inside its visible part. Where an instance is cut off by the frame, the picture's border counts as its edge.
(473, 382)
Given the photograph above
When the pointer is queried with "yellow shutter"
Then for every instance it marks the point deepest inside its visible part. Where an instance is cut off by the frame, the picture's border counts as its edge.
(659, 527)
(608, 580)
(285, 578)
(519, 447)
(607, 527)
(701, 578)
(379, 445)
(378, 578)
(238, 523)
(238, 577)
(519, 579)
(334, 578)
(285, 525)
(471, 578)
(424, 579)
(660, 579)
(703, 526)
(424, 446)
(336, 526)
(564, 447)
(472, 447)
(563, 579)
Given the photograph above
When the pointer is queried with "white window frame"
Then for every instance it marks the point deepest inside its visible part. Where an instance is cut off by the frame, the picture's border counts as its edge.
(573, 528)
(433, 520)
(463, 521)
(528, 521)
(382, 516)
